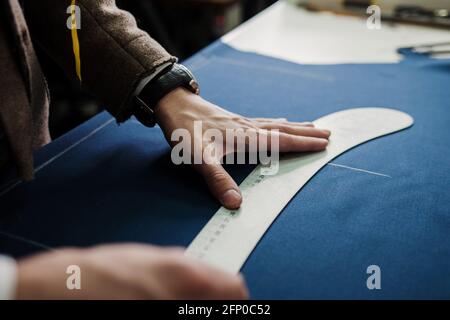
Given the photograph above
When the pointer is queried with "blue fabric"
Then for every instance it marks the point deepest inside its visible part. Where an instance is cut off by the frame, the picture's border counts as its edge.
(119, 184)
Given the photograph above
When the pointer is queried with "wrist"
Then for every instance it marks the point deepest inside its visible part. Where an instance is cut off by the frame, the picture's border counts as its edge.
(27, 283)
(44, 276)
(173, 101)
(162, 91)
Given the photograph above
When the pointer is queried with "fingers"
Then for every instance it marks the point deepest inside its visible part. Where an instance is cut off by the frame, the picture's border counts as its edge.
(298, 130)
(188, 278)
(282, 120)
(217, 284)
(295, 136)
(293, 143)
(303, 124)
(221, 185)
(270, 119)
(227, 286)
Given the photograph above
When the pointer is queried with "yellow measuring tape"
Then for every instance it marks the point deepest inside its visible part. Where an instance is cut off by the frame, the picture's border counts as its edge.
(75, 41)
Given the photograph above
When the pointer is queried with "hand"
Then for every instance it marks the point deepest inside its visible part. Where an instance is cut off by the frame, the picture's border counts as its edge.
(180, 108)
(125, 272)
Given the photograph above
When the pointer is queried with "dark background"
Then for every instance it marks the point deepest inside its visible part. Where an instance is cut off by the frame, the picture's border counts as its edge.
(183, 27)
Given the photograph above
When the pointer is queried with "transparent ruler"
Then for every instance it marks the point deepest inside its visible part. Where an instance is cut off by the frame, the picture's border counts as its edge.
(229, 237)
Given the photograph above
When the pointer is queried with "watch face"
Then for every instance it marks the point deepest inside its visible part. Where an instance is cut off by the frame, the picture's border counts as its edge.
(195, 87)
(144, 113)
(186, 70)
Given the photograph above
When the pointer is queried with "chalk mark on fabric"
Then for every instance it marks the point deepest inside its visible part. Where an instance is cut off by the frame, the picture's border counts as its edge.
(359, 170)
(59, 155)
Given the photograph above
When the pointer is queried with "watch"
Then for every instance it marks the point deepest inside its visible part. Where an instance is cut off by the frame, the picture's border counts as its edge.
(173, 77)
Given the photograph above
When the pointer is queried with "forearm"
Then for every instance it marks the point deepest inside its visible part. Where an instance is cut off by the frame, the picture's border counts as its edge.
(115, 54)
(8, 278)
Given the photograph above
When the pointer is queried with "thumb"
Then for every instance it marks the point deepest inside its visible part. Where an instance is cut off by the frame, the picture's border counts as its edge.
(221, 185)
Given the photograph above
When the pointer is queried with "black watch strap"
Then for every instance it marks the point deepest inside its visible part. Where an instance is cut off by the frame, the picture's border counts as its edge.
(175, 76)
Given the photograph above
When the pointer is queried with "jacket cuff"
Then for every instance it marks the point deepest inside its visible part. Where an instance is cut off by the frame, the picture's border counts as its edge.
(8, 278)
(152, 76)
(125, 111)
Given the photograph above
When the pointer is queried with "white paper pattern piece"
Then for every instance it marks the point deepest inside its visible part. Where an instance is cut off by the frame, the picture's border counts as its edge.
(288, 32)
(230, 236)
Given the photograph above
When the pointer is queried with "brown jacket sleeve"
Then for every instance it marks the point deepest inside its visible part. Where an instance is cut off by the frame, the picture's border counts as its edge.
(115, 54)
